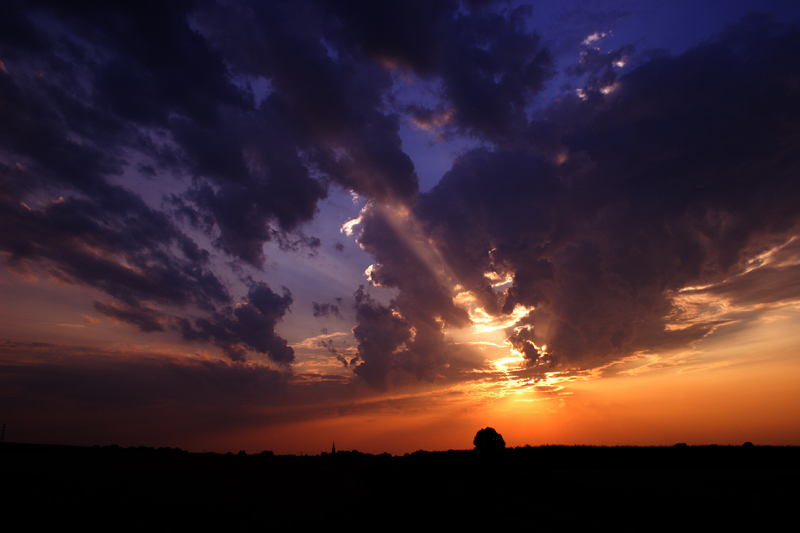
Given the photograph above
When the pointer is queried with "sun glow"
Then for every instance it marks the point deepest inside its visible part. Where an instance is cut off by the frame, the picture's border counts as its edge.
(483, 322)
(608, 89)
(593, 38)
(410, 232)
(508, 364)
(517, 377)
(498, 280)
(349, 227)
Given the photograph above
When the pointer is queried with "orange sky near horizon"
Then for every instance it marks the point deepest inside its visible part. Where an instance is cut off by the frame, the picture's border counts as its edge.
(732, 387)
(740, 383)
(742, 387)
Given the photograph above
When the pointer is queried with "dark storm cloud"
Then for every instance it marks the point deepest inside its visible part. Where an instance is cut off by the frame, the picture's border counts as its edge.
(249, 179)
(491, 70)
(132, 398)
(404, 341)
(416, 316)
(136, 255)
(489, 63)
(64, 145)
(326, 309)
(402, 264)
(379, 334)
(678, 177)
(147, 319)
(489, 67)
(522, 341)
(156, 63)
(86, 87)
(328, 101)
(507, 204)
(263, 105)
(15, 28)
(676, 174)
(398, 345)
(329, 345)
(408, 32)
(771, 280)
(250, 325)
(162, 396)
(116, 244)
(110, 71)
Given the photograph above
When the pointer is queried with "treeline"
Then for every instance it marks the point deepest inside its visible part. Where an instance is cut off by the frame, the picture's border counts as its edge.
(550, 487)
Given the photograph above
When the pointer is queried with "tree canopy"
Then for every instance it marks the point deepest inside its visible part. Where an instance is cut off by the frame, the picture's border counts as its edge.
(487, 439)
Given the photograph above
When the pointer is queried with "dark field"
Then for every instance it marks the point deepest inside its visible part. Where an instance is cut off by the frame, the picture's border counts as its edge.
(530, 489)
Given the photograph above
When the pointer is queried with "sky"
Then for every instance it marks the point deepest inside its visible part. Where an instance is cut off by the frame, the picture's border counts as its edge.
(275, 225)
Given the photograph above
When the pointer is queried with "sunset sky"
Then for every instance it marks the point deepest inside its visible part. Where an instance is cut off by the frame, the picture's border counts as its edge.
(270, 225)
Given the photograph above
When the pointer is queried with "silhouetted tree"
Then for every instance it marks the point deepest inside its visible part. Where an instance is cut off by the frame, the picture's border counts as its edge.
(487, 439)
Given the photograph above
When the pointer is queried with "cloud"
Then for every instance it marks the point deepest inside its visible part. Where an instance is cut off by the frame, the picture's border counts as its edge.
(678, 178)
(258, 113)
(379, 334)
(250, 325)
(147, 319)
(112, 242)
(69, 394)
(489, 63)
(768, 279)
(491, 70)
(146, 144)
(89, 96)
(413, 345)
(327, 102)
(89, 376)
(326, 310)
(599, 66)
